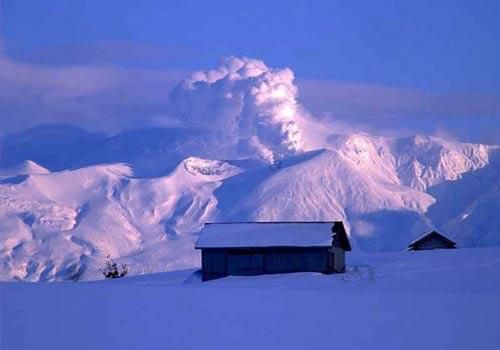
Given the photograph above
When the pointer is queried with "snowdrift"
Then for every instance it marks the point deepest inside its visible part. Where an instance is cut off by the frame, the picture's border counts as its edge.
(448, 299)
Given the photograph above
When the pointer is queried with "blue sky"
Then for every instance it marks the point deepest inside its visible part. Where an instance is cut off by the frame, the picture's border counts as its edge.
(444, 54)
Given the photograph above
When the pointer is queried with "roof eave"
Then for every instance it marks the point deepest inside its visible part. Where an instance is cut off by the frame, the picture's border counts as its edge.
(269, 246)
(428, 236)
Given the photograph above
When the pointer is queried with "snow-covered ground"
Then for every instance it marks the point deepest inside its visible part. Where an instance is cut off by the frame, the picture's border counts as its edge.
(443, 299)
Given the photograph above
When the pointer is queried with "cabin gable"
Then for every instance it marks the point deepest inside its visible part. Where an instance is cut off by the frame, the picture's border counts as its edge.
(432, 240)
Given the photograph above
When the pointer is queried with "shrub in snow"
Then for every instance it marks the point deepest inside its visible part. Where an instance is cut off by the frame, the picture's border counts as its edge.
(111, 269)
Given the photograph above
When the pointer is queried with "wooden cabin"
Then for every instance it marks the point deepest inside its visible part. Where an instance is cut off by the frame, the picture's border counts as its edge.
(432, 240)
(255, 248)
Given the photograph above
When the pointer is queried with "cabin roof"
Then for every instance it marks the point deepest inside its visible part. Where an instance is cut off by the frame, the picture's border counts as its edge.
(272, 234)
(426, 236)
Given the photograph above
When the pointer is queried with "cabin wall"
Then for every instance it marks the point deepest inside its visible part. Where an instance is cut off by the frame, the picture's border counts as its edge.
(338, 259)
(303, 260)
(221, 262)
(245, 263)
(213, 263)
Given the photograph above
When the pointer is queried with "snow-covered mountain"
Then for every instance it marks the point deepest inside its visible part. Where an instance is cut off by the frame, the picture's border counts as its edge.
(61, 225)
(68, 197)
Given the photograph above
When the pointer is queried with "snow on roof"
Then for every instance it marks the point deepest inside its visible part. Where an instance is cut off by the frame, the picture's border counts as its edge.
(266, 234)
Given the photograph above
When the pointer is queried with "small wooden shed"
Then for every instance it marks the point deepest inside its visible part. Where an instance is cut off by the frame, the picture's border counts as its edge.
(254, 248)
(432, 240)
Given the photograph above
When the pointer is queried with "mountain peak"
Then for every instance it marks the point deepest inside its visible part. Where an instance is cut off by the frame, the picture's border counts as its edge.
(27, 167)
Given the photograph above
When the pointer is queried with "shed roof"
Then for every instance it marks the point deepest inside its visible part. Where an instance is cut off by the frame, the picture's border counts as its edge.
(433, 234)
(272, 234)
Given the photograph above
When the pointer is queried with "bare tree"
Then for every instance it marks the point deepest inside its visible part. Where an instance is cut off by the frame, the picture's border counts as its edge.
(111, 269)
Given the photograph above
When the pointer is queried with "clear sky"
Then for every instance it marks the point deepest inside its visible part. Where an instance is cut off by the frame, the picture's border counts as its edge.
(428, 66)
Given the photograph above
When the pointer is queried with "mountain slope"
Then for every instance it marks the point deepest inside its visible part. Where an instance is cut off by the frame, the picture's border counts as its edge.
(324, 185)
(54, 226)
(54, 146)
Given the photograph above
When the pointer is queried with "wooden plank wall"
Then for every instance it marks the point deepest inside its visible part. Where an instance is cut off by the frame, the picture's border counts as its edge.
(220, 262)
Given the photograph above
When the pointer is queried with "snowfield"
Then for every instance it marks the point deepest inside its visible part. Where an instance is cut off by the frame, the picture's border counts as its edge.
(442, 299)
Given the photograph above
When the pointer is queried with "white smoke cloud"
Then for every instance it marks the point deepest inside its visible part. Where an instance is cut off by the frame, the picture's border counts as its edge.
(244, 108)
